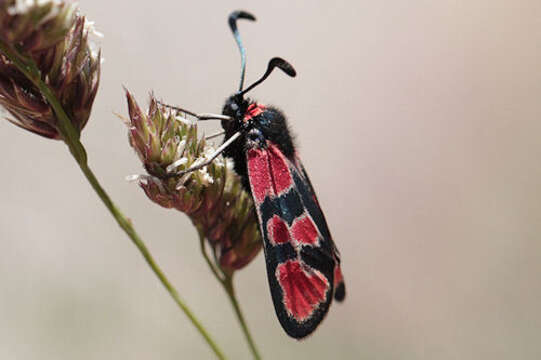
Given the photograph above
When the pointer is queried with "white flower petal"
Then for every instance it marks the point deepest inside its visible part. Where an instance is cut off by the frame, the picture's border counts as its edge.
(133, 178)
(173, 166)
(181, 146)
(182, 180)
(205, 176)
(184, 120)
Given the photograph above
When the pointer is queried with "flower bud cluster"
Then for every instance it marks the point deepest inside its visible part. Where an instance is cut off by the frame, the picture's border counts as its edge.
(51, 39)
(213, 196)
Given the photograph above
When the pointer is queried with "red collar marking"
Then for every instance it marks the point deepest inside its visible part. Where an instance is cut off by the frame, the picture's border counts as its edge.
(252, 111)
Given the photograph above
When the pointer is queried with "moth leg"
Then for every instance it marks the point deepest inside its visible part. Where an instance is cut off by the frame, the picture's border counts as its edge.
(210, 116)
(202, 116)
(214, 135)
(211, 158)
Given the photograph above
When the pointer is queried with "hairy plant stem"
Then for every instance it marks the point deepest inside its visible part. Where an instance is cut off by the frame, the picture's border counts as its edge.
(71, 137)
(226, 280)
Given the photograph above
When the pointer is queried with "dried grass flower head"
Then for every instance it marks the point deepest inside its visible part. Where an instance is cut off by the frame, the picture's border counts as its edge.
(52, 39)
(213, 197)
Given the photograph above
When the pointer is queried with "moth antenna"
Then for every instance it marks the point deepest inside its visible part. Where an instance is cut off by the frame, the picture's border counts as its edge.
(275, 62)
(235, 15)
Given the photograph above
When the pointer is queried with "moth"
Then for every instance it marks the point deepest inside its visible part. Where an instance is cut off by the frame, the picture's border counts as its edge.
(303, 263)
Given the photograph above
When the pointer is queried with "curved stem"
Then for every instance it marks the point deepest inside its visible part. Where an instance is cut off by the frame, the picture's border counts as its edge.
(227, 282)
(126, 225)
(228, 286)
(71, 137)
(219, 277)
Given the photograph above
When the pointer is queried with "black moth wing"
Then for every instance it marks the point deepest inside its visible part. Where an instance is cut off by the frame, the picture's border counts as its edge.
(340, 287)
(300, 255)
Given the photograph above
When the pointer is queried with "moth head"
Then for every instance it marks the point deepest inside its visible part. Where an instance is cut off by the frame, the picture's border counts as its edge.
(235, 106)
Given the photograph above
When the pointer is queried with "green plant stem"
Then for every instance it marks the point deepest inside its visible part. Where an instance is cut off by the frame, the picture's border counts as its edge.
(228, 286)
(219, 277)
(71, 138)
(227, 282)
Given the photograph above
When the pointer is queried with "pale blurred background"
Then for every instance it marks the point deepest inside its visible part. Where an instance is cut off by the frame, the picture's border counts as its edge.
(419, 123)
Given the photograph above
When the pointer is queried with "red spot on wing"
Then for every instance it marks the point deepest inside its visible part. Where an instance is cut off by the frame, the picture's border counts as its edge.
(304, 231)
(280, 169)
(302, 292)
(338, 277)
(277, 230)
(259, 173)
(268, 171)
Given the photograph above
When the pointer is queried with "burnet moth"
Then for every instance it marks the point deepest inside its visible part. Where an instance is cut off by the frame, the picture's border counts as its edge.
(303, 264)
